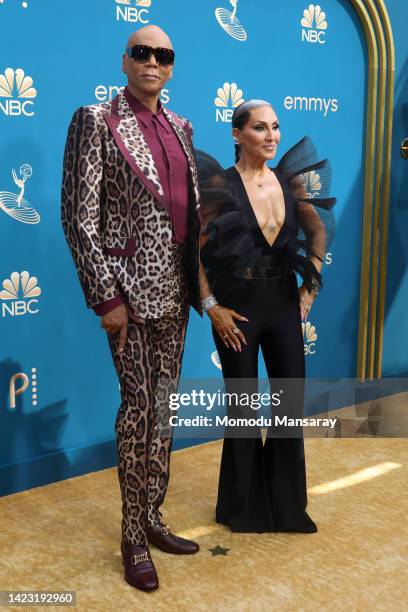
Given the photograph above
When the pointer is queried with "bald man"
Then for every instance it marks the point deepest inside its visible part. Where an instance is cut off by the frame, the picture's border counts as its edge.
(130, 213)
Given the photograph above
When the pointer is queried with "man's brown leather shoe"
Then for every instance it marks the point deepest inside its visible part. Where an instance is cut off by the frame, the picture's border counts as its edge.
(139, 569)
(161, 537)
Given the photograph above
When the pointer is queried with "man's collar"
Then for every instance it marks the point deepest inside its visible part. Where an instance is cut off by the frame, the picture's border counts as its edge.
(141, 111)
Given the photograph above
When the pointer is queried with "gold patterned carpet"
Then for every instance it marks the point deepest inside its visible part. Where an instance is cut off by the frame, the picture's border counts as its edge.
(65, 536)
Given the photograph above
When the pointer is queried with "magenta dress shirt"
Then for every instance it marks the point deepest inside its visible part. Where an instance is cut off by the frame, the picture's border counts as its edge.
(172, 167)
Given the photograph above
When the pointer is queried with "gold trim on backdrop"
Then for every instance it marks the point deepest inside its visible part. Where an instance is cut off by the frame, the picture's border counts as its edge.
(381, 62)
(375, 234)
(368, 184)
(389, 113)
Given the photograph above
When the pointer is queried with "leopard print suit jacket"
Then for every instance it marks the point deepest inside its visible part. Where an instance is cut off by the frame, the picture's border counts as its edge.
(113, 213)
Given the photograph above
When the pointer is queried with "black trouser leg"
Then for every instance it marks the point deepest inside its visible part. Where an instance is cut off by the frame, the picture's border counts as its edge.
(263, 488)
(242, 496)
(283, 351)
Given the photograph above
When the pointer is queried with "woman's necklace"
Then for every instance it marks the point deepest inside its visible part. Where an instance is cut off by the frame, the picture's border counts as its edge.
(271, 227)
(260, 178)
(257, 181)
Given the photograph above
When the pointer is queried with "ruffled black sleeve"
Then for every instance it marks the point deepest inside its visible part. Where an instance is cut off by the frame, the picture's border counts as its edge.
(216, 195)
(229, 248)
(310, 181)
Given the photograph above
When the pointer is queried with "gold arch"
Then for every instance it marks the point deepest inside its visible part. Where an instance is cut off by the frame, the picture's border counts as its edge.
(380, 94)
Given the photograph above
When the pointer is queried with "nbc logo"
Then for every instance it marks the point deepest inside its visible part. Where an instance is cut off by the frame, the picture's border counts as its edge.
(228, 98)
(18, 295)
(15, 204)
(14, 84)
(19, 383)
(134, 12)
(311, 183)
(314, 25)
(309, 337)
(229, 22)
(215, 358)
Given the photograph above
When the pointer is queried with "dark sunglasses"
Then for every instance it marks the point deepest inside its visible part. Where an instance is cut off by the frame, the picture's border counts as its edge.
(141, 53)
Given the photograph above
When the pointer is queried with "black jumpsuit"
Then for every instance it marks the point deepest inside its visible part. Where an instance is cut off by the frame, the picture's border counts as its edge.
(262, 487)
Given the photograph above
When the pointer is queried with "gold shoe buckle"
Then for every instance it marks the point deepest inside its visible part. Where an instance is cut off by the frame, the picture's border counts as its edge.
(140, 558)
(165, 530)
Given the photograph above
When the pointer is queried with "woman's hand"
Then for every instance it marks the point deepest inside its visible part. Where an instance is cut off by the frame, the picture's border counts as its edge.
(306, 300)
(225, 326)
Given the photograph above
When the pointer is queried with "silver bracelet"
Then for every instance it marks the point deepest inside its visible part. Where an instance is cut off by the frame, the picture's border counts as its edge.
(209, 302)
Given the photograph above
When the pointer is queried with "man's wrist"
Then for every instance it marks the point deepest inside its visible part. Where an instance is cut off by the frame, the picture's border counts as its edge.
(104, 307)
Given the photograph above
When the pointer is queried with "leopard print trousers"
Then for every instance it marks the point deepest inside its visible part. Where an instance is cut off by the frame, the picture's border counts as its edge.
(148, 370)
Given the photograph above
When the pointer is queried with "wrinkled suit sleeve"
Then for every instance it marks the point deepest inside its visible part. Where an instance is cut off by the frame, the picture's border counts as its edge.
(81, 209)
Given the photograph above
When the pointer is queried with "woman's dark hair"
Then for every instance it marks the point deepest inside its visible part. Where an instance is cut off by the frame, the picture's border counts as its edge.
(241, 115)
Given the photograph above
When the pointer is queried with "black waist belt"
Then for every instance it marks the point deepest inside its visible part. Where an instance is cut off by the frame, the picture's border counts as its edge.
(268, 271)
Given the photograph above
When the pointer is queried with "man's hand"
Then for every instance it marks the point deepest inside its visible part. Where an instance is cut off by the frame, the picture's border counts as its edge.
(116, 321)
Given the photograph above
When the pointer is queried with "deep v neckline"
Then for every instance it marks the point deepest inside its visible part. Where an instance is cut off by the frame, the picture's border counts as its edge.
(249, 212)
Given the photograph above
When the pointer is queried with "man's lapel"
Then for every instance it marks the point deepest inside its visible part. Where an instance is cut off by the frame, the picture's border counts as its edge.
(132, 144)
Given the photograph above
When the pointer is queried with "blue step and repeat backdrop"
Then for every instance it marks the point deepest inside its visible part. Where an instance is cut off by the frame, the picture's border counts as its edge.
(59, 393)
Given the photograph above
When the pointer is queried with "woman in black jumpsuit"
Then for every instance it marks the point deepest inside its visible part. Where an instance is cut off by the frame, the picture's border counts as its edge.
(250, 292)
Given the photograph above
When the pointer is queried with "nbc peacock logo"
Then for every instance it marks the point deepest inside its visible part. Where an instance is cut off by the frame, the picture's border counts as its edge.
(229, 96)
(16, 93)
(230, 23)
(14, 204)
(309, 338)
(311, 183)
(19, 295)
(314, 25)
(135, 11)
